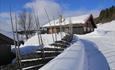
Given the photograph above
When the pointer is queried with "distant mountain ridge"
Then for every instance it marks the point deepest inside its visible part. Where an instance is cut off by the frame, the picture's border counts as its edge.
(106, 15)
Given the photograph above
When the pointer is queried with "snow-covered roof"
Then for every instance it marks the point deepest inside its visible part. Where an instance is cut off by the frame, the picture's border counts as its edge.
(72, 20)
(6, 33)
(9, 34)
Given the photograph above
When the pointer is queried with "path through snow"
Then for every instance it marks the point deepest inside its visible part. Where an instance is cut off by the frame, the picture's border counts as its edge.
(96, 60)
(82, 55)
(107, 47)
(104, 38)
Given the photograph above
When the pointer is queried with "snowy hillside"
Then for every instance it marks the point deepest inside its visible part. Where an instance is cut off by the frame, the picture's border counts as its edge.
(93, 51)
(110, 26)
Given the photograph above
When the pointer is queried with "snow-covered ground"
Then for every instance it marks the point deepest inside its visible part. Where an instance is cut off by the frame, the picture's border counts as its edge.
(93, 51)
(47, 39)
(104, 38)
(32, 44)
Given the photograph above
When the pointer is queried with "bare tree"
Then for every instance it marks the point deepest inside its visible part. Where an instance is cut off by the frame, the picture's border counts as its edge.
(16, 48)
(25, 23)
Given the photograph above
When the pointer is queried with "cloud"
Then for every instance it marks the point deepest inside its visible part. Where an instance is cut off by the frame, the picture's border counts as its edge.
(55, 9)
(5, 21)
(52, 8)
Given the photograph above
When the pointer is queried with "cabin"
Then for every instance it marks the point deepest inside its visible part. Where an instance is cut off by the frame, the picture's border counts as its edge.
(24, 35)
(76, 25)
(6, 55)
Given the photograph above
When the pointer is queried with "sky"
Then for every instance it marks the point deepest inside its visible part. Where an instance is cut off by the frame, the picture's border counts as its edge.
(66, 4)
(53, 7)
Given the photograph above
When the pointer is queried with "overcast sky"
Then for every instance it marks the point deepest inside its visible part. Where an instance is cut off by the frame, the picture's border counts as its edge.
(53, 7)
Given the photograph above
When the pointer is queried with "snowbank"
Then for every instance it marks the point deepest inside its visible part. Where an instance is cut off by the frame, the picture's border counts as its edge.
(106, 29)
(82, 55)
(73, 58)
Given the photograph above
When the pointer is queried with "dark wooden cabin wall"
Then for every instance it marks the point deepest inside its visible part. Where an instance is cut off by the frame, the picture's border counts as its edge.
(6, 55)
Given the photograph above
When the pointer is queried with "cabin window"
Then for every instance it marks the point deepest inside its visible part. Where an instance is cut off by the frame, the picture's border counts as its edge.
(92, 29)
(67, 30)
(88, 29)
(85, 30)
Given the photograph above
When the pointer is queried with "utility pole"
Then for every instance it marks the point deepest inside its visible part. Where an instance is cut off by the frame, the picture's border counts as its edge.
(39, 35)
(70, 26)
(56, 30)
(50, 24)
(60, 23)
(16, 49)
(36, 26)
